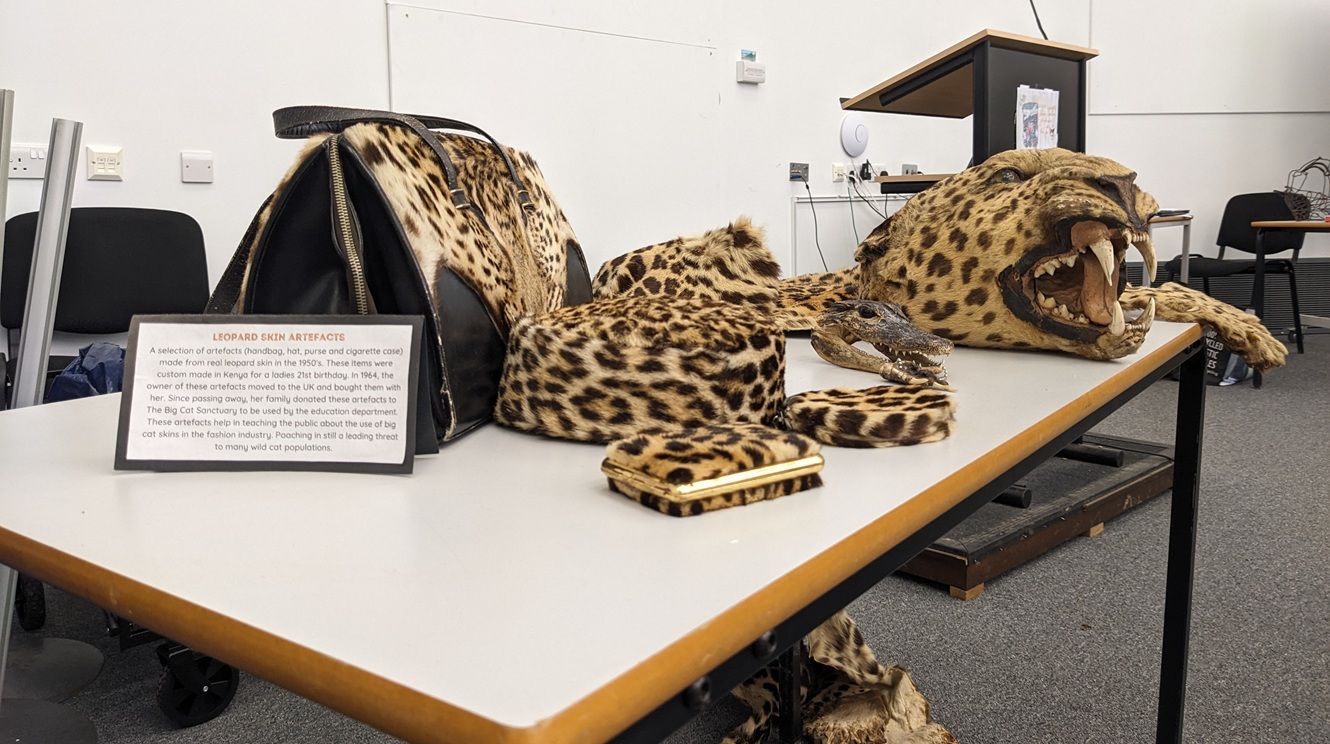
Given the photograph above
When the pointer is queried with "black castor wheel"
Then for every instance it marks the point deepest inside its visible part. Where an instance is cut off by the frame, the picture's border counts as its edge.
(30, 603)
(193, 688)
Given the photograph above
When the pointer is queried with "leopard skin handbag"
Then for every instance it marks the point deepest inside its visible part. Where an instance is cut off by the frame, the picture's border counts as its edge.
(381, 213)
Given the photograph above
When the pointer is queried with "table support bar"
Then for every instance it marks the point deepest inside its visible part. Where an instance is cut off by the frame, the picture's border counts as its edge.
(1181, 550)
(789, 674)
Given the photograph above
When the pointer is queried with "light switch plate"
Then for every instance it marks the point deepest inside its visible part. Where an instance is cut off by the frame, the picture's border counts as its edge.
(27, 161)
(106, 163)
(195, 166)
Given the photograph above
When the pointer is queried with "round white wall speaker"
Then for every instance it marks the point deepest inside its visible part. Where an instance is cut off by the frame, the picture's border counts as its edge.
(853, 134)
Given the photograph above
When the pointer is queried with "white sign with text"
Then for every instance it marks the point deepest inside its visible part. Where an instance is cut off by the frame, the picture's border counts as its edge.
(270, 392)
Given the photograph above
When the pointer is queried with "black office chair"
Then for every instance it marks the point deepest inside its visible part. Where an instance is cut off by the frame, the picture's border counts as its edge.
(119, 262)
(1236, 232)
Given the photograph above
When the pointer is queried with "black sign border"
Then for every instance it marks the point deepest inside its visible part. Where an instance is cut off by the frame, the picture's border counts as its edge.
(407, 464)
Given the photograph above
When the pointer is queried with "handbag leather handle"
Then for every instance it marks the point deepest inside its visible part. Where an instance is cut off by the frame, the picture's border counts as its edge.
(295, 122)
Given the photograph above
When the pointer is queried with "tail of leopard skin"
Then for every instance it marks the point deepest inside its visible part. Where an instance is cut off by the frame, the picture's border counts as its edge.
(1241, 332)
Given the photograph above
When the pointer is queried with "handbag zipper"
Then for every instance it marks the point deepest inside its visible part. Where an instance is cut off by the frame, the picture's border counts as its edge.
(342, 215)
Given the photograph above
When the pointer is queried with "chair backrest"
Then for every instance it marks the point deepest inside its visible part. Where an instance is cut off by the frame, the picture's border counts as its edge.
(1235, 230)
(119, 262)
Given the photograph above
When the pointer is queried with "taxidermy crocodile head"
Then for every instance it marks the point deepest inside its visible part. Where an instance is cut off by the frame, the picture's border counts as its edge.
(908, 350)
(1025, 250)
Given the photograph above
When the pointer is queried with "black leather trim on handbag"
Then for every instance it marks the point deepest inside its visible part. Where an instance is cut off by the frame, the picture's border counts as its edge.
(329, 240)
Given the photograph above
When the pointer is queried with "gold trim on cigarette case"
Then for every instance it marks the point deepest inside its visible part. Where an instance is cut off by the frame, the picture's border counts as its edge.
(753, 478)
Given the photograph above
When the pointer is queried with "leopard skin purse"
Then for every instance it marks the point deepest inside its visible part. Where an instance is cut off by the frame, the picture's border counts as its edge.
(382, 214)
(682, 472)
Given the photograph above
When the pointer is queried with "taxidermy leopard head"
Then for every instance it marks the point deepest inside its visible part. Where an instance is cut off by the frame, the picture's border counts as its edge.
(1025, 250)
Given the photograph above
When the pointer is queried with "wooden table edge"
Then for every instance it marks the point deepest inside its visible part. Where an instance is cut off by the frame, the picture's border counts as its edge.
(1006, 39)
(1311, 225)
(415, 716)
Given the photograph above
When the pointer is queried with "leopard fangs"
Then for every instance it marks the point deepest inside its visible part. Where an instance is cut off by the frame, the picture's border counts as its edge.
(1119, 323)
(1150, 264)
(1103, 250)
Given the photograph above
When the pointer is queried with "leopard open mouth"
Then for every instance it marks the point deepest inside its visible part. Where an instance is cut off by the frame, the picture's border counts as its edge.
(1072, 287)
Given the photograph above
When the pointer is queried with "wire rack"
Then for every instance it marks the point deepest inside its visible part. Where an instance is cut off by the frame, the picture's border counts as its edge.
(1304, 199)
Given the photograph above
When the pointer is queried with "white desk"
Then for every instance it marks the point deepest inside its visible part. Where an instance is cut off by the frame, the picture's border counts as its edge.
(502, 592)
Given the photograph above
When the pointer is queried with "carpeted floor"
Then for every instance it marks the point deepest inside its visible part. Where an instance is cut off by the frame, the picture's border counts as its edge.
(1062, 650)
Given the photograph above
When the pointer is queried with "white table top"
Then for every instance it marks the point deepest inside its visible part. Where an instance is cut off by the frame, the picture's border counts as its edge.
(502, 588)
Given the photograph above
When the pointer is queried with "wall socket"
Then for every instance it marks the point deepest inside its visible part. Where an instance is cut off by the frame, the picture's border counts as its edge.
(106, 163)
(799, 172)
(909, 169)
(27, 161)
(839, 172)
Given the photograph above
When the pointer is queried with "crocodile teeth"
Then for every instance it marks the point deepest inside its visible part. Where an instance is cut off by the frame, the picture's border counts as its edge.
(1103, 250)
(1119, 323)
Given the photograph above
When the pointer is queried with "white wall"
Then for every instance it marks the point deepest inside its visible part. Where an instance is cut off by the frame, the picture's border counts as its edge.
(1210, 138)
(185, 76)
(198, 75)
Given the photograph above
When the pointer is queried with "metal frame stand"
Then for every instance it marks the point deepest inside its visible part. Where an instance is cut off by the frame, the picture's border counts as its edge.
(1181, 550)
(780, 643)
(41, 721)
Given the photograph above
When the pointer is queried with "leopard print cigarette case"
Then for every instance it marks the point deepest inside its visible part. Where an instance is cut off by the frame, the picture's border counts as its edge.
(682, 472)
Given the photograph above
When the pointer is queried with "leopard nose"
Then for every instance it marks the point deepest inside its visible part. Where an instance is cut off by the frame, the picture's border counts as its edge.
(1122, 190)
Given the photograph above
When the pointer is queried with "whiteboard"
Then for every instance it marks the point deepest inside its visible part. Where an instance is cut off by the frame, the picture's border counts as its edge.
(626, 129)
(1209, 56)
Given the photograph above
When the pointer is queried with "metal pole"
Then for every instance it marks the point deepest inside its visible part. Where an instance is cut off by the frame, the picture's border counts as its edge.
(42, 721)
(8, 576)
(48, 257)
(39, 313)
(6, 129)
(1181, 550)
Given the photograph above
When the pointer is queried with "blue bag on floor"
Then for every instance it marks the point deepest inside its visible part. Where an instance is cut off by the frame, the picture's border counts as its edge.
(98, 369)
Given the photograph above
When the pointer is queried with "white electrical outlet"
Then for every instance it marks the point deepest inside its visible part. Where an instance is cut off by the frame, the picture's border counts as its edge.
(838, 172)
(106, 163)
(195, 166)
(27, 161)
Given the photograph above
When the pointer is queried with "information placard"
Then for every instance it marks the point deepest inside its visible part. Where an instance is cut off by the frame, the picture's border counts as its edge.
(270, 392)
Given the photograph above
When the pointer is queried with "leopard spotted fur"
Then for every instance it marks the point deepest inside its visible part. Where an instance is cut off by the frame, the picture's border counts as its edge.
(883, 416)
(730, 263)
(608, 368)
(681, 456)
(1240, 331)
(516, 260)
(846, 695)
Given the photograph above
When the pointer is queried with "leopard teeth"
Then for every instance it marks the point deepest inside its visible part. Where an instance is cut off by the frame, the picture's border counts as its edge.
(1103, 250)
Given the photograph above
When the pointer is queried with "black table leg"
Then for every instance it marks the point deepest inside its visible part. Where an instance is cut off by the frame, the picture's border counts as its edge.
(789, 714)
(1258, 289)
(1181, 550)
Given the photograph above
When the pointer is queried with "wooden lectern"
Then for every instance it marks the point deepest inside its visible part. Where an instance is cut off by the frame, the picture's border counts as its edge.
(980, 76)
